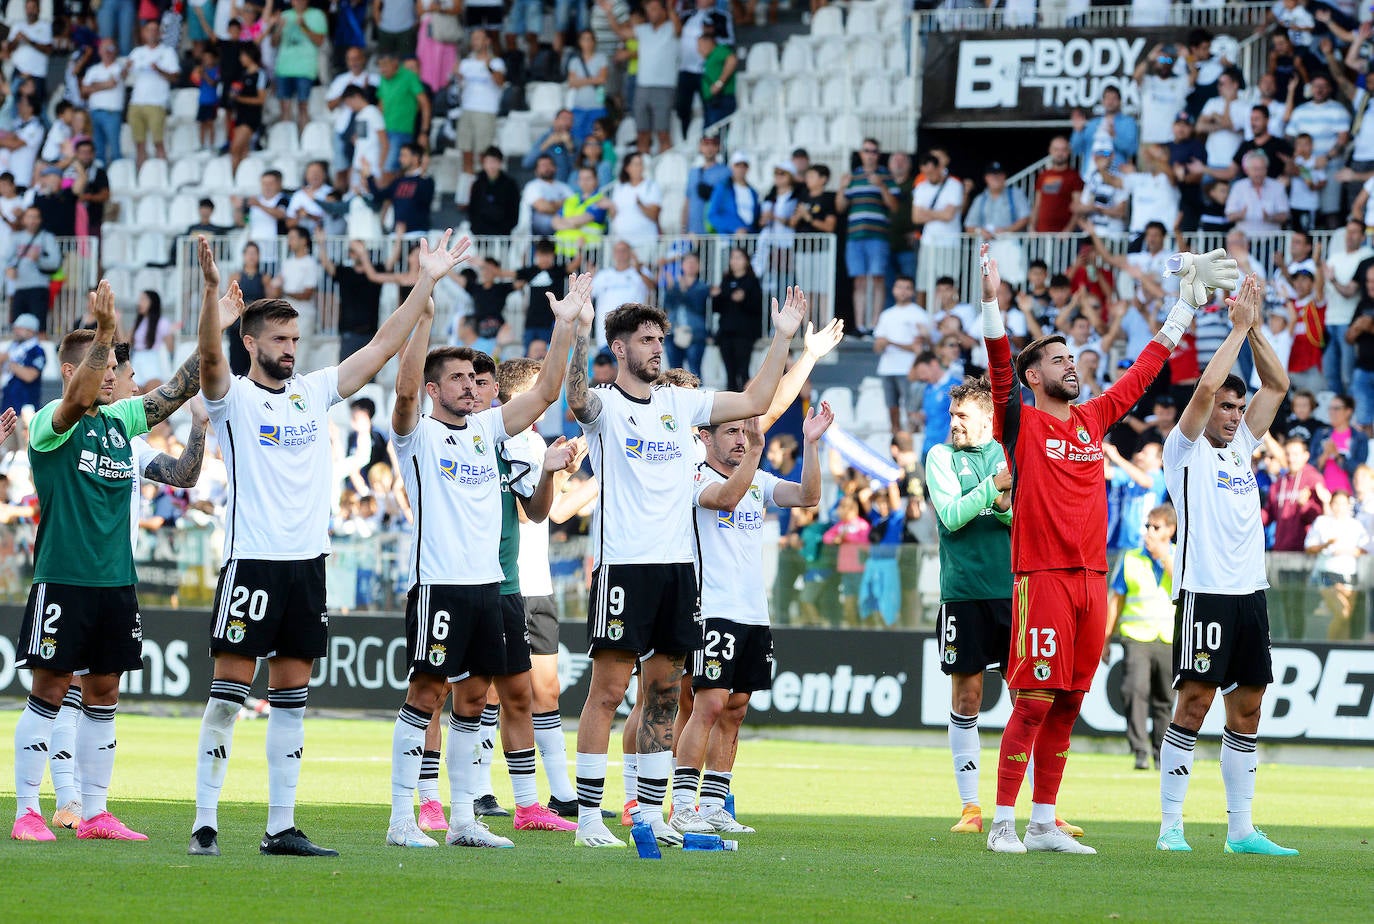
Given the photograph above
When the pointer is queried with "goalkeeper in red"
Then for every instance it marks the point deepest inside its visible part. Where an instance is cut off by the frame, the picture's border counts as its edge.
(1059, 538)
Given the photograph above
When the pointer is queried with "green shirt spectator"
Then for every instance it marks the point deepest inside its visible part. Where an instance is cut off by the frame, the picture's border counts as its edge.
(398, 96)
(297, 54)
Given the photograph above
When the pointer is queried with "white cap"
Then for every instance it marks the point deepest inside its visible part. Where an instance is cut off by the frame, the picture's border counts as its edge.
(739, 157)
(26, 321)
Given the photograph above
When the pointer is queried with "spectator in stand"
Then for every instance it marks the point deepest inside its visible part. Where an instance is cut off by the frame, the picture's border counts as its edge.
(297, 34)
(624, 281)
(396, 27)
(557, 144)
(540, 280)
(1163, 92)
(1295, 501)
(1305, 184)
(1337, 541)
(485, 15)
(1114, 127)
(359, 296)
(719, 64)
(1360, 334)
(737, 304)
(266, 214)
(544, 195)
(524, 17)
(635, 204)
(932, 420)
(592, 155)
(411, 193)
(365, 136)
(1328, 122)
(29, 44)
(305, 207)
(904, 330)
(299, 281)
(24, 361)
(1279, 151)
(936, 204)
(102, 87)
(586, 77)
(494, 204)
(483, 75)
(998, 209)
(735, 208)
(59, 134)
(1224, 120)
(356, 75)
(206, 78)
(1104, 200)
(116, 20)
(90, 183)
(657, 78)
(1153, 196)
(25, 140)
(200, 26)
(685, 298)
(581, 221)
(55, 201)
(707, 172)
(153, 66)
(708, 16)
(248, 95)
(402, 98)
(1257, 204)
(868, 201)
(206, 210)
(775, 256)
(901, 233)
(1188, 161)
(253, 282)
(1056, 188)
(1342, 298)
(1308, 311)
(1344, 449)
(152, 341)
(32, 259)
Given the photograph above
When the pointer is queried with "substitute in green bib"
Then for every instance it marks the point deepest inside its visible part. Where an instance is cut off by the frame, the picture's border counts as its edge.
(970, 488)
(1140, 607)
(82, 614)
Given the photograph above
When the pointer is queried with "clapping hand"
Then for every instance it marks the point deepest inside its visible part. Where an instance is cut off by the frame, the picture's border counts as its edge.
(578, 300)
(788, 319)
(817, 421)
(820, 342)
(208, 268)
(439, 262)
(230, 306)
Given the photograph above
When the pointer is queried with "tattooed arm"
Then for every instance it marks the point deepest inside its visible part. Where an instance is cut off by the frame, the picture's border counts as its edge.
(83, 390)
(163, 402)
(586, 407)
(183, 472)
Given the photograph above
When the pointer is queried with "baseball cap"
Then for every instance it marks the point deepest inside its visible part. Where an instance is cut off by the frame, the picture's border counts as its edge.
(995, 167)
(1102, 147)
(739, 157)
(26, 321)
(51, 171)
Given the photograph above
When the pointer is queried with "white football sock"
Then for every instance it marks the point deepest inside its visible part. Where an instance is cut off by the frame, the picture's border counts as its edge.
(1175, 770)
(591, 786)
(1239, 765)
(62, 750)
(285, 748)
(32, 734)
(95, 751)
(553, 753)
(213, 746)
(407, 749)
(963, 744)
(464, 740)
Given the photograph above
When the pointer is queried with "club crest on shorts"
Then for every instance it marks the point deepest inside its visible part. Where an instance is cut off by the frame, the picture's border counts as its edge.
(669, 423)
(234, 634)
(437, 653)
(1082, 435)
(1041, 670)
(615, 630)
(951, 654)
(1202, 662)
(298, 402)
(47, 648)
(712, 671)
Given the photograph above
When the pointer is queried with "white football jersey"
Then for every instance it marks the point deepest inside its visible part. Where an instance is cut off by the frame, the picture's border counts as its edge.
(535, 580)
(281, 475)
(454, 487)
(641, 453)
(730, 550)
(1219, 548)
(143, 457)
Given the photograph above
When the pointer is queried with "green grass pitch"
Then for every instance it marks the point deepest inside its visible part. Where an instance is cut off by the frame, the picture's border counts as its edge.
(846, 833)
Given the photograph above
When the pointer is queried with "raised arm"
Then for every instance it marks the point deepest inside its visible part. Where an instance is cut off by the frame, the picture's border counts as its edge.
(522, 411)
(817, 344)
(758, 394)
(558, 459)
(1273, 376)
(726, 496)
(360, 368)
(808, 493)
(83, 390)
(214, 367)
(1195, 416)
(185, 471)
(585, 406)
(410, 377)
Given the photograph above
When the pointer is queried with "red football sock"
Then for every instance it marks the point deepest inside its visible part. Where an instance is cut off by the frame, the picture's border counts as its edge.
(1018, 740)
(1052, 747)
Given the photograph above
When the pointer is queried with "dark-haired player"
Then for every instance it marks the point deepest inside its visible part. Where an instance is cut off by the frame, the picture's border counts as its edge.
(1059, 539)
(1221, 626)
(644, 600)
(272, 426)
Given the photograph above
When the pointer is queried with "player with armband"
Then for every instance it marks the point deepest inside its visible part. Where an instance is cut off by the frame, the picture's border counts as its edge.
(1059, 537)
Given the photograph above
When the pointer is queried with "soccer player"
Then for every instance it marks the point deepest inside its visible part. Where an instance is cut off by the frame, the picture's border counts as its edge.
(272, 425)
(644, 604)
(455, 620)
(1221, 634)
(157, 466)
(82, 612)
(970, 489)
(1059, 538)
(730, 495)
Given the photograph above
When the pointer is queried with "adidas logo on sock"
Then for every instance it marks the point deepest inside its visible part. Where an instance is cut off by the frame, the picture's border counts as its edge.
(489, 745)
(1019, 758)
(297, 753)
(968, 766)
(62, 755)
(1179, 771)
(37, 746)
(220, 752)
(415, 752)
(107, 747)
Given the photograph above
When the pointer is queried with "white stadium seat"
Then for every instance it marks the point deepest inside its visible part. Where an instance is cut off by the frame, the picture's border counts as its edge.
(115, 249)
(152, 248)
(802, 94)
(866, 55)
(183, 144)
(153, 177)
(513, 137)
(318, 139)
(827, 21)
(185, 104)
(863, 19)
(187, 172)
(835, 96)
(808, 131)
(248, 176)
(875, 95)
(545, 98)
(184, 211)
(670, 216)
(670, 171)
(283, 138)
(840, 399)
(762, 58)
(445, 171)
(845, 132)
(830, 55)
(290, 170)
(766, 94)
(796, 56)
(123, 176)
(152, 213)
(218, 176)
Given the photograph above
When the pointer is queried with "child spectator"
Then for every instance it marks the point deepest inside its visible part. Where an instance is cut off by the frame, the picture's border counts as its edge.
(206, 77)
(1304, 189)
(1309, 331)
(850, 534)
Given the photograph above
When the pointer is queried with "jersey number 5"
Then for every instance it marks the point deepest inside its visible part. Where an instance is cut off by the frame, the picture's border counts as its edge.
(1042, 643)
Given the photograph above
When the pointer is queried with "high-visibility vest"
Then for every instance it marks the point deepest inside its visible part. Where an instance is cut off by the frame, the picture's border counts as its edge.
(569, 241)
(1148, 613)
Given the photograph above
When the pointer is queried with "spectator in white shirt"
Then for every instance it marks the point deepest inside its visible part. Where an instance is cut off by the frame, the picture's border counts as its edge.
(1328, 122)
(1163, 92)
(153, 66)
(1153, 194)
(304, 209)
(903, 331)
(635, 204)
(543, 196)
(1224, 120)
(102, 86)
(1343, 293)
(29, 45)
(1257, 204)
(623, 282)
(300, 277)
(657, 80)
(482, 74)
(266, 216)
(21, 145)
(356, 75)
(370, 145)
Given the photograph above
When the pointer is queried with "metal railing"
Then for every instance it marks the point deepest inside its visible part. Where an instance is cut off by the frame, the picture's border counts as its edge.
(807, 260)
(77, 273)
